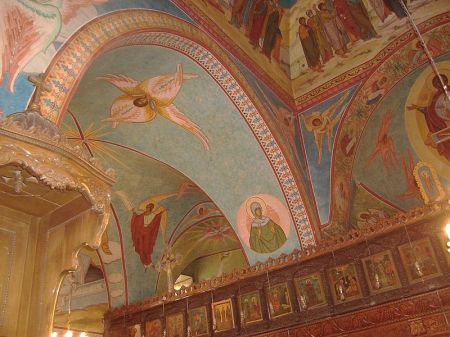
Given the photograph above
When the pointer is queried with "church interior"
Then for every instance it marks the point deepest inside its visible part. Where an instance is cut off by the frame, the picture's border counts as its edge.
(193, 168)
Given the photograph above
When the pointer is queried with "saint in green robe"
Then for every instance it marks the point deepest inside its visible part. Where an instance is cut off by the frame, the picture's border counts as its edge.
(265, 235)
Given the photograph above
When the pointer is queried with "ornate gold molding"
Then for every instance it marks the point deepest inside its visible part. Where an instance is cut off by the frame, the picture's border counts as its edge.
(37, 145)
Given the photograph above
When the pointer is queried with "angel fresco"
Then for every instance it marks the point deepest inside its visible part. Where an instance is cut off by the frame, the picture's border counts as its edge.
(29, 27)
(385, 146)
(146, 220)
(321, 123)
(142, 101)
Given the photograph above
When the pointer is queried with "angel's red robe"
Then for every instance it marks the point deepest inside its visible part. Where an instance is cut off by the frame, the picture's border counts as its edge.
(144, 234)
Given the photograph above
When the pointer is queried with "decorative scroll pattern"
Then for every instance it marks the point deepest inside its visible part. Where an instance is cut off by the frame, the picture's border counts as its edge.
(406, 316)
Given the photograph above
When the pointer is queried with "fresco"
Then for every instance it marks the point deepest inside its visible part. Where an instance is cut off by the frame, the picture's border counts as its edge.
(263, 223)
(203, 250)
(32, 32)
(299, 45)
(155, 206)
(427, 117)
(377, 146)
(192, 153)
(140, 102)
(319, 125)
(388, 143)
(290, 133)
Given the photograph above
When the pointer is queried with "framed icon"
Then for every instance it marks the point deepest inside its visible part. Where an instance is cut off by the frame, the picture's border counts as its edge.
(175, 325)
(223, 317)
(250, 307)
(310, 293)
(279, 300)
(344, 283)
(153, 328)
(419, 260)
(134, 331)
(381, 273)
(198, 321)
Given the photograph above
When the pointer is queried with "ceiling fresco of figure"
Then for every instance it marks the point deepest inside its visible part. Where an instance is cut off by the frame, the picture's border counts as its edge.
(325, 118)
(179, 125)
(297, 46)
(32, 31)
(392, 128)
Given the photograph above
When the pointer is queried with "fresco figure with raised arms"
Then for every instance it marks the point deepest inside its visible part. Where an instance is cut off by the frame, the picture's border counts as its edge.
(142, 101)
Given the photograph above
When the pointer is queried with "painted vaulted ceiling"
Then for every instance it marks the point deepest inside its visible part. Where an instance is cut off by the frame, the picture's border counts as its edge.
(209, 110)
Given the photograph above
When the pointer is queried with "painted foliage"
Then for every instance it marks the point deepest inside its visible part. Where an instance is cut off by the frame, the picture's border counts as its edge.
(32, 32)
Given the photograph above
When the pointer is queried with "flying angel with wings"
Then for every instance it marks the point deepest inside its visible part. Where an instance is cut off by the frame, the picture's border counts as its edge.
(385, 145)
(29, 27)
(322, 123)
(147, 219)
(142, 101)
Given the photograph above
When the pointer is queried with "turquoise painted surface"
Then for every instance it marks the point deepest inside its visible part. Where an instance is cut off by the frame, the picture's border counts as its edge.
(233, 169)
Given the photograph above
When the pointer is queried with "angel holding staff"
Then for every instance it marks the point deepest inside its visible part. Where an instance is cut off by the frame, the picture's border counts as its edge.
(147, 219)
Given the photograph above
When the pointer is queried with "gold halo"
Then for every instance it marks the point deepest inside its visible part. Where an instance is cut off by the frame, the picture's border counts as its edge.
(258, 200)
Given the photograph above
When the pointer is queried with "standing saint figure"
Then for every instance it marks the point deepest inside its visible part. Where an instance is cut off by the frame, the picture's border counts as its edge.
(257, 18)
(380, 9)
(361, 18)
(266, 236)
(326, 52)
(272, 36)
(310, 45)
(334, 29)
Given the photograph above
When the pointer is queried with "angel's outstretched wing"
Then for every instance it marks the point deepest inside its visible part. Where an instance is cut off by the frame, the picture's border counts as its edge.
(124, 83)
(165, 88)
(125, 200)
(155, 199)
(173, 114)
(329, 112)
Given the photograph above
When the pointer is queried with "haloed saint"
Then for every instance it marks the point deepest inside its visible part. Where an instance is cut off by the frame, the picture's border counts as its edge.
(266, 236)
(263, 223)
